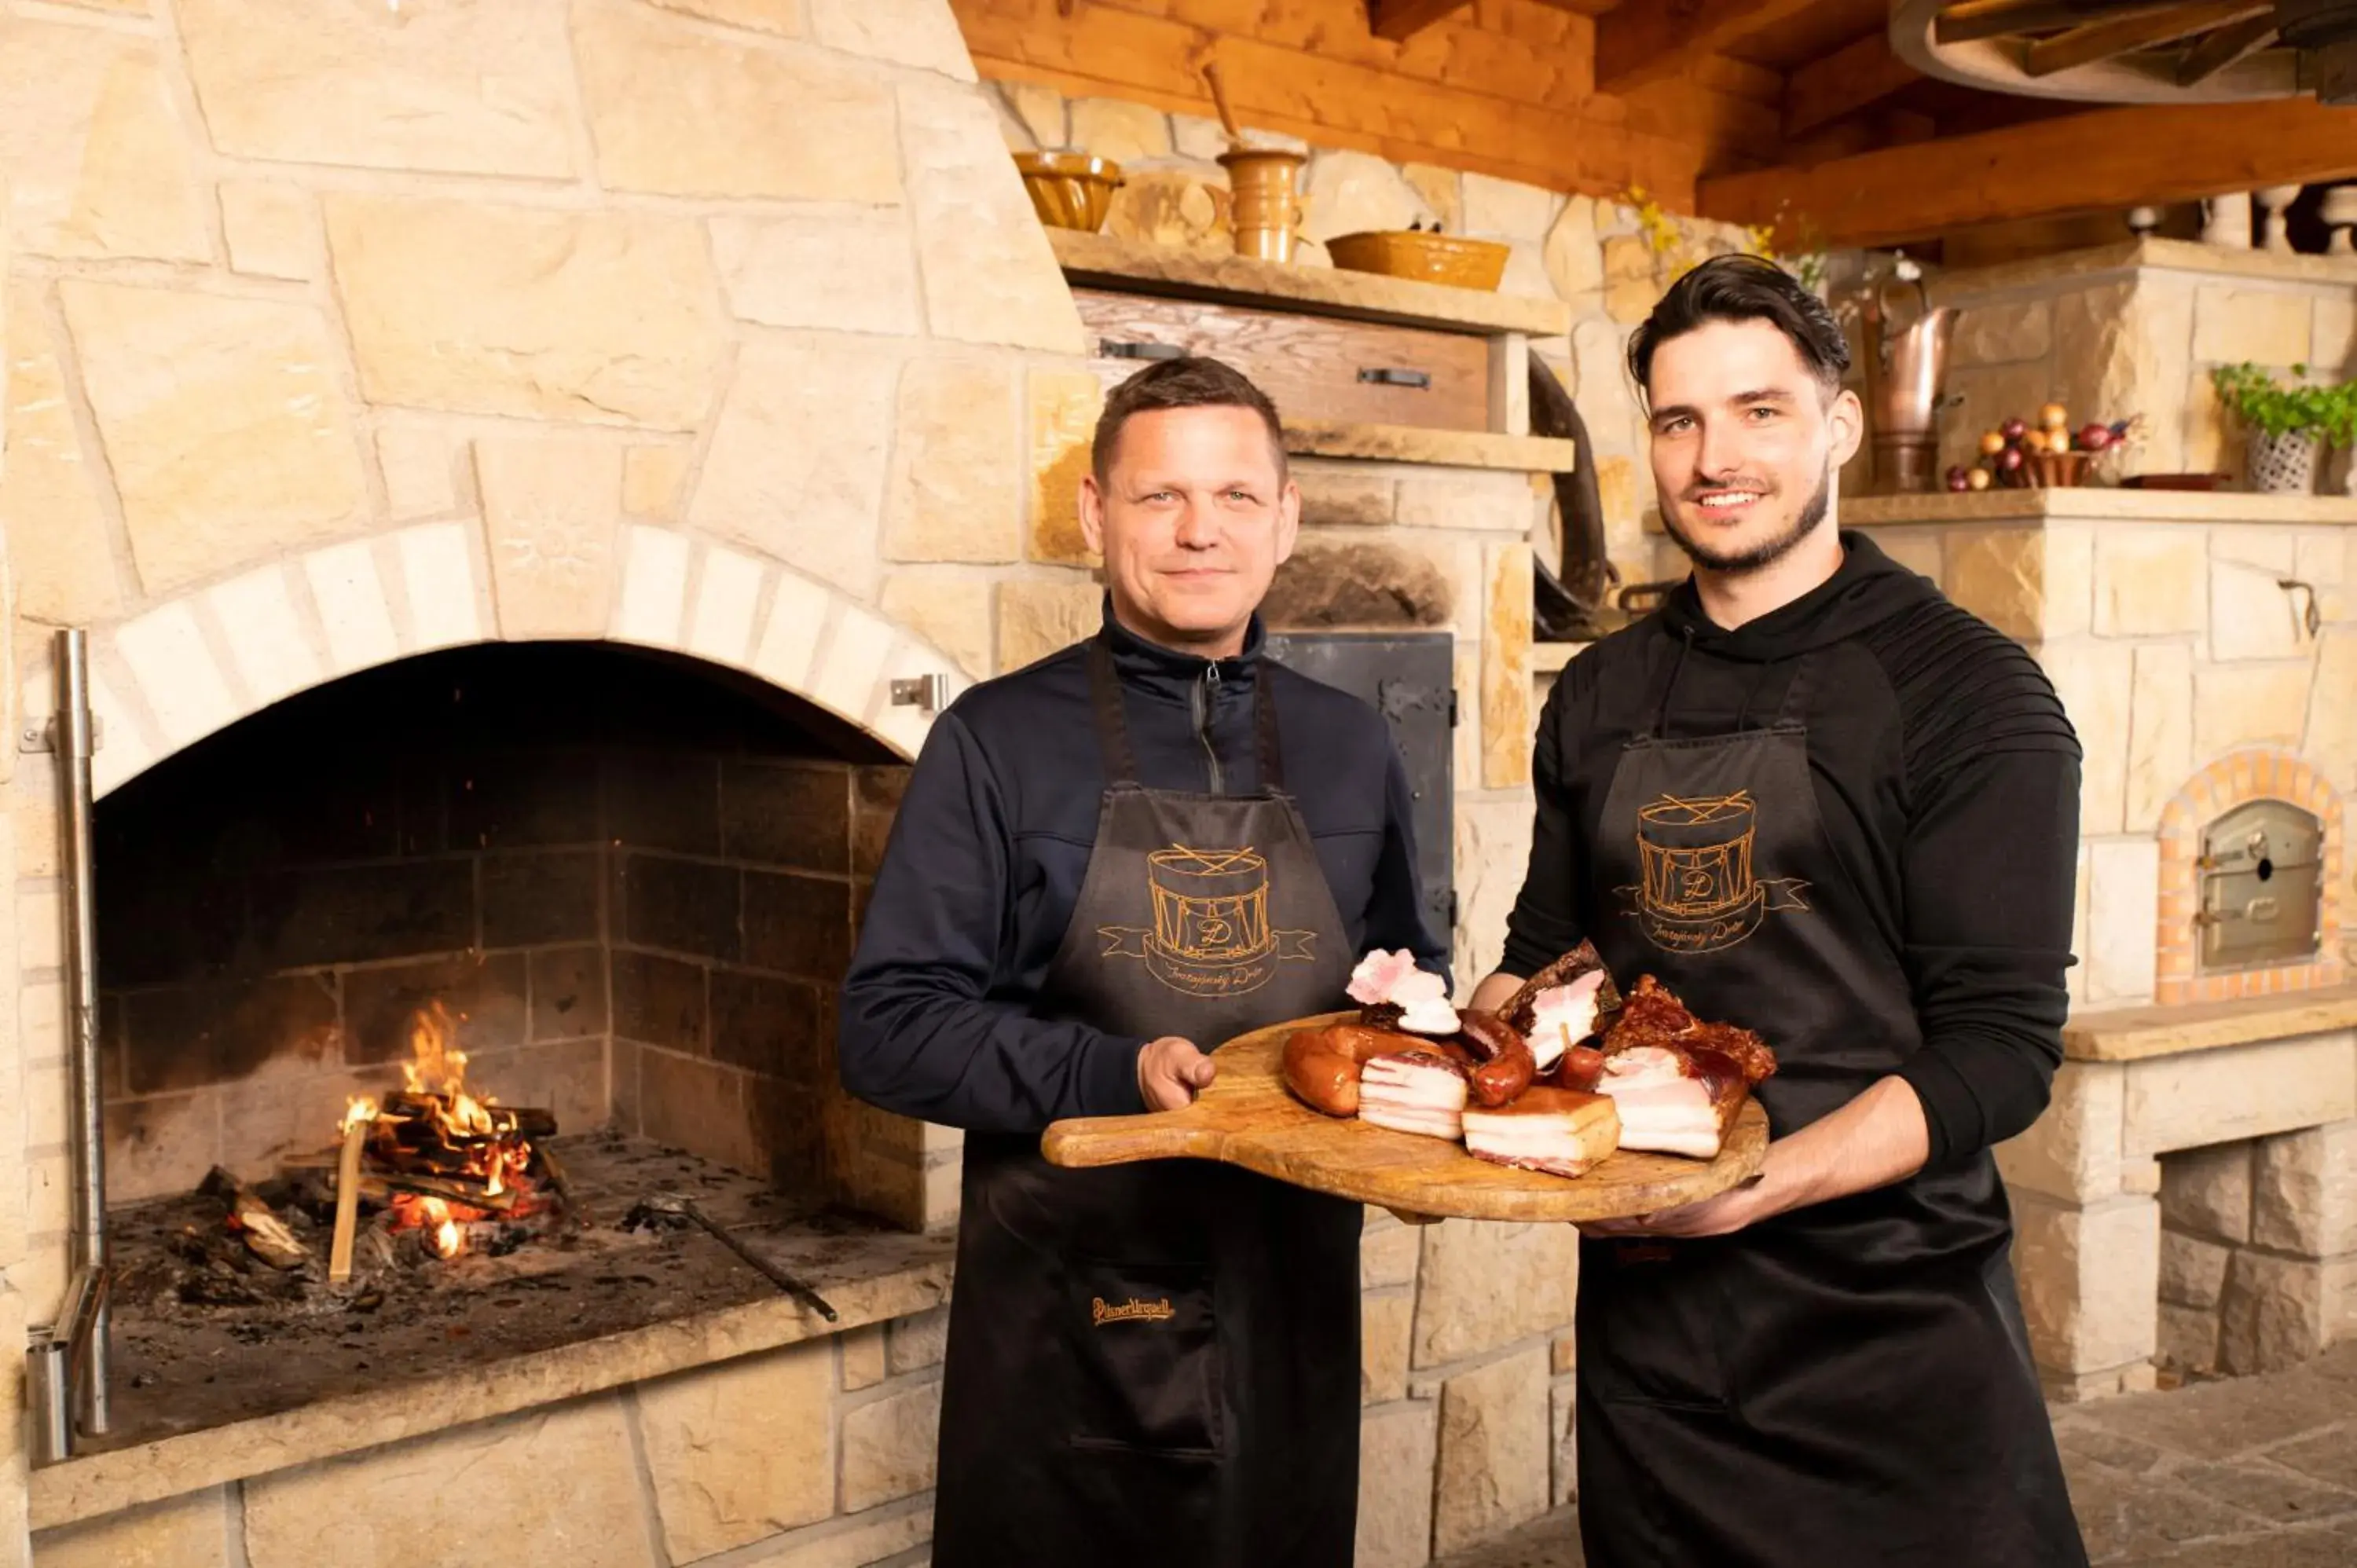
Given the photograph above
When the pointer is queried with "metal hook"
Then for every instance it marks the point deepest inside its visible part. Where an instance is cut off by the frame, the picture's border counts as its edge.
(2313, 620)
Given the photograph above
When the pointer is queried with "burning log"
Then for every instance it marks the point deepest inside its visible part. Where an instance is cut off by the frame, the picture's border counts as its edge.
(462, 1193)
(265, 1235)
(504, 1121)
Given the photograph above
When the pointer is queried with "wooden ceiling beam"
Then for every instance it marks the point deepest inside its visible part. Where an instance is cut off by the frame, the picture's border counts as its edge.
(2109, 158)
(2101, 40)
(1640, 43)
(1400, 20)
(1969, 21)
(2227, 46)
(1844, 81)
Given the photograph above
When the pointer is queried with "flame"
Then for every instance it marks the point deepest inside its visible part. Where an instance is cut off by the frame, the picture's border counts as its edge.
(448, 1242)
(360, 1109)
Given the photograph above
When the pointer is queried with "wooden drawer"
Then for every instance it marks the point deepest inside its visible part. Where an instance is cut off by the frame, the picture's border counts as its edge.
(1315, 367)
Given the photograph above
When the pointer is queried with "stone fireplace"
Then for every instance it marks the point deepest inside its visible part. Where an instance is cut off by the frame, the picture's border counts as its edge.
(631, 886)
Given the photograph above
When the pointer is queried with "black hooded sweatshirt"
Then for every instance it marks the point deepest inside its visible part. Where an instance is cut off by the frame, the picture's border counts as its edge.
(1947, 778)
(992, 842)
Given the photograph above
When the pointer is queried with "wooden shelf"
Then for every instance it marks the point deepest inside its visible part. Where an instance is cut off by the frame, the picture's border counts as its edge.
(1445, 449)
(2098, 504)
(2136, 1034)
(1101, 261)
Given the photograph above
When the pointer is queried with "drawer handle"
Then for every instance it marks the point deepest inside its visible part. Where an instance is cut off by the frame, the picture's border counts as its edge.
(1386, 376)
(1112, 351)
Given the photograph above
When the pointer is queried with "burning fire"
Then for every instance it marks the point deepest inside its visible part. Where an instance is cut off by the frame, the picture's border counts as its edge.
(438, 1131)
(448, 1242)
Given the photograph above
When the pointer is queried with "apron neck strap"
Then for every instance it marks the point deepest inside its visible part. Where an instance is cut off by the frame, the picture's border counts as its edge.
(1789, 711)
(1796, 692)
(1113, 727)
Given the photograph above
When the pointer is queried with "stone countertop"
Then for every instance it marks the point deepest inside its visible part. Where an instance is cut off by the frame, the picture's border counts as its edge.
(2139, 1033)
(2149, 254)
(2099, 503)
(203, 1402)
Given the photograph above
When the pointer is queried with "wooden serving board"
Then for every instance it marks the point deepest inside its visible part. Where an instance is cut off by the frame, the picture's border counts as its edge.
(1248, 1118)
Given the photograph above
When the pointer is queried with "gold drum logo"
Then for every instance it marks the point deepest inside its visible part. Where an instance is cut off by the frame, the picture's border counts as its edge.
(1211, 935)
(1699, 891)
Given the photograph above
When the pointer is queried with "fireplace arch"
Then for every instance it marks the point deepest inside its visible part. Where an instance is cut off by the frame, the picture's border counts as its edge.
(194, 663)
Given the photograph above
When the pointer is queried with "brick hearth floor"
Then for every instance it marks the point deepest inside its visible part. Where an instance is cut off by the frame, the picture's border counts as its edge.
(2241, 1472)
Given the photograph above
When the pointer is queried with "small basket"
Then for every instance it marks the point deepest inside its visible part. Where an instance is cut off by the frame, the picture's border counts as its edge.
(1425, 257)
(1070, 190)
(2056, 470)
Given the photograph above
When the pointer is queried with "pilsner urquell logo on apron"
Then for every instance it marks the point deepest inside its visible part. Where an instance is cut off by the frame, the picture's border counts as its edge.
(1699, 894)
(1211, 935)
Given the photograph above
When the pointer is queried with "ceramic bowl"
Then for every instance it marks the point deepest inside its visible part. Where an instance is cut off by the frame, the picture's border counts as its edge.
(1070, 190)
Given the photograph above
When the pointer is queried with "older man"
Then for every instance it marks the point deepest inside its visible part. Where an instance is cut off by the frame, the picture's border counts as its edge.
(1107, 864)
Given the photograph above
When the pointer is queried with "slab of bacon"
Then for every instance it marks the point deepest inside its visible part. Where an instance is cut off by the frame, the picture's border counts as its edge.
(1560, 1130)
(1419, 1091)
(1676, 1081)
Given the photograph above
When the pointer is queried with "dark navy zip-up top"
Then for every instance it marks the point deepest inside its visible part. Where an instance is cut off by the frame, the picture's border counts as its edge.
(987, 854)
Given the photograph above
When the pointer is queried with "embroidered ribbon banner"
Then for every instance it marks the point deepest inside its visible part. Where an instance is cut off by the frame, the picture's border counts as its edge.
(1137, 942)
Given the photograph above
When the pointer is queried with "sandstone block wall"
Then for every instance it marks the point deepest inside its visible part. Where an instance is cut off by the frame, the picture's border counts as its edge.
(2136, 329)
(2258, 1249)
(2173, 645)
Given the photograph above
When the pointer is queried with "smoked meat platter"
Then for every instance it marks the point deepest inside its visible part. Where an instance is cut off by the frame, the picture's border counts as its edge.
(1247, 1117)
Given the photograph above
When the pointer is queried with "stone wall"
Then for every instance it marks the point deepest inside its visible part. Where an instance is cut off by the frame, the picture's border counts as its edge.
(2136, 329)
(2258, 1251)
(2172, 646)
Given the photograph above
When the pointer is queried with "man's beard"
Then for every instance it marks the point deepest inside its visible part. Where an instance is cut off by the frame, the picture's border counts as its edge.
(1765, 553)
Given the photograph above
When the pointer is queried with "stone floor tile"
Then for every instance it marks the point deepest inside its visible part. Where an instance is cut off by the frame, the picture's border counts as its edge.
(2230, 1417)
(2277, 1494)
(2123, 1517)
(2277, 1549)
(2329, 1456)
(2109, 1449)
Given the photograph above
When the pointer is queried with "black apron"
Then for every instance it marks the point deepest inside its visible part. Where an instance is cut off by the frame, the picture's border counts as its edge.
(1158, 1363)
(1849, 1383)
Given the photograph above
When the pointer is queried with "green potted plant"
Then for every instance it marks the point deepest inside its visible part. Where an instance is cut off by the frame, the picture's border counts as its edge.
(2286, 426)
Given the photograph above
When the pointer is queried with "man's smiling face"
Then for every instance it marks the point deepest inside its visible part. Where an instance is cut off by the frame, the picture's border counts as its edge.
(1194, 517)
(1746, 440)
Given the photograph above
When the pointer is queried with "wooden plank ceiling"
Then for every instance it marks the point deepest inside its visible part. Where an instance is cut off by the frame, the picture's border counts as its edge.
(1746, 110)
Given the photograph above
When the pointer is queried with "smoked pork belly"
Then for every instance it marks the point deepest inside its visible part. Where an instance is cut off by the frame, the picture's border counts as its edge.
(1671, 1101)
(1414, 1091)
(1560, 1130)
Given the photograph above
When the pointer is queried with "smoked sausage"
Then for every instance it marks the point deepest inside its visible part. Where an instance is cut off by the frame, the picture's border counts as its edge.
(1508, 1067)
(1322, 1066)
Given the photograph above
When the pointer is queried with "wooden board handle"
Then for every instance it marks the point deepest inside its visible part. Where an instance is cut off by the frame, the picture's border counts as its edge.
(1086, 1142)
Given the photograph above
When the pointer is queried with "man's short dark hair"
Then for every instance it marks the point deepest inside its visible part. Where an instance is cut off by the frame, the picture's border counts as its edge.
(1191, 381)
(1744, 288)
